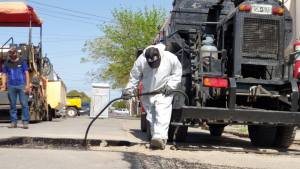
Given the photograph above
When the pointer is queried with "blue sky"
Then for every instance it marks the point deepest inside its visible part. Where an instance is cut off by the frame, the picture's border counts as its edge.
(64, 33)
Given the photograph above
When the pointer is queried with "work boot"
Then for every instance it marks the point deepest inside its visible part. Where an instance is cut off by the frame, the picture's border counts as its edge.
(12, 125)
(25, 125)
(157, 144)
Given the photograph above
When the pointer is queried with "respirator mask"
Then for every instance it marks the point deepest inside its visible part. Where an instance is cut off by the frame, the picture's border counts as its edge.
(153, 57)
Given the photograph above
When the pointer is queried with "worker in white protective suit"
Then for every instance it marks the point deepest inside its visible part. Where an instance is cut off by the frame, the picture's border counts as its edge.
(158, 70)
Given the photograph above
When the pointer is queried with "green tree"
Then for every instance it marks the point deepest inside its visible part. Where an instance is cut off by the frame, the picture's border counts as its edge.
(129, 31)
(84, 97)
(120, 105)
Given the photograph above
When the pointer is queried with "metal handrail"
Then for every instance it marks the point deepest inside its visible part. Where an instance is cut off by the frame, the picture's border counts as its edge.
(10, 39)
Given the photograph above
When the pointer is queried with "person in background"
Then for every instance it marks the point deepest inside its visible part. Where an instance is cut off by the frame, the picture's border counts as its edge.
(16, 79)
(158, 70)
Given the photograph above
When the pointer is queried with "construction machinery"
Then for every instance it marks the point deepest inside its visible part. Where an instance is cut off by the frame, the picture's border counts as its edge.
(235, 70)
(73, 106)
(20, 15)
(56, 95)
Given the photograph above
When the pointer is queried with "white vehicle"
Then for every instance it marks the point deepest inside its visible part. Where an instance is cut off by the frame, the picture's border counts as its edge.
(121, 111)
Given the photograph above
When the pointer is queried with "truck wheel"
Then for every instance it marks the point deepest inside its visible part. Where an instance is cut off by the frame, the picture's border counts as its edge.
(285, 136)
(180, 135)
(45, 116)
(216, 129)
(143, 122)
(51, 114)
(262, 135)
(71, 112)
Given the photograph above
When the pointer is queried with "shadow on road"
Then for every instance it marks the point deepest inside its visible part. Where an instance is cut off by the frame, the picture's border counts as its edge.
(229, 143)
(203, 141)
(139, 134)
(202, 138)
(207, 139)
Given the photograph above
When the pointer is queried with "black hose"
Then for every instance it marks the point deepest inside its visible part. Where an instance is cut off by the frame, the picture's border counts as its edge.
(84, 143)
(95, 118)
(108, 104)
(187, 101)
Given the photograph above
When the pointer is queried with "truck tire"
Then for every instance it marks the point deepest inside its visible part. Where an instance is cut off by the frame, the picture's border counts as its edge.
(143, 122)
(51, 114)
(285, 136)
(71, 112)
(216, 130)
(180, 135)
(45, 116)
(262, 135)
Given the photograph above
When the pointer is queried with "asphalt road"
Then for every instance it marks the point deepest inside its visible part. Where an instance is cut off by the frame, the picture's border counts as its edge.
(62, 159)
(201, 150)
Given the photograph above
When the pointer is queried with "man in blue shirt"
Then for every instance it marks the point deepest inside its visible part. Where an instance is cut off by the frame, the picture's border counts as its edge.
(16, 79)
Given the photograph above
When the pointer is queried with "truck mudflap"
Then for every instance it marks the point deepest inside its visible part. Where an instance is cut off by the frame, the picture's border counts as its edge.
(254, 116)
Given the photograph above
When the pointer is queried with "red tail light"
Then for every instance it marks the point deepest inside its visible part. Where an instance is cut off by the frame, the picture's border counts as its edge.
(246, 8)
(215, 82)
(278, 11)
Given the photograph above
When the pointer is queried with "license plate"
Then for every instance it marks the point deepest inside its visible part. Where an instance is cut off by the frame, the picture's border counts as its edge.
(261, 9)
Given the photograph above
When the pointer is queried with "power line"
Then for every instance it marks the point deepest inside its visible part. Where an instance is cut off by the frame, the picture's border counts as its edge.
(47, 35)
(67, 14)
(69, 10)
(69, 35)
(68, 19)
(49, 39)
(57, 42)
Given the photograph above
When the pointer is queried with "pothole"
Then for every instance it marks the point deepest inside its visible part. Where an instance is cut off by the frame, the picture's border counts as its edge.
(76, 144)
(58, 143)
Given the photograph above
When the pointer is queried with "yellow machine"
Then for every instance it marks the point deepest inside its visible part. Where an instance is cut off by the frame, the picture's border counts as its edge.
(20, 15)
(73, 106)
(48, 92)
(56, 95)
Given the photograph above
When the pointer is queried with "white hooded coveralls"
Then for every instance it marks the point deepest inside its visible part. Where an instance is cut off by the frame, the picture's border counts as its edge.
(158, 107)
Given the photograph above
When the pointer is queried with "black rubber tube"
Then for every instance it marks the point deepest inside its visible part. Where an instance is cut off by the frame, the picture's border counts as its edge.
(187, 101)
(95, 118)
